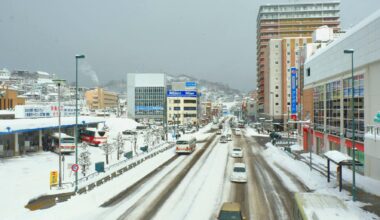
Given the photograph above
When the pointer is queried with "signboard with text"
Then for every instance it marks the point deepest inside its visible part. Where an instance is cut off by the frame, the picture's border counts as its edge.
(53, 178)
(173, 93)
(293, 91)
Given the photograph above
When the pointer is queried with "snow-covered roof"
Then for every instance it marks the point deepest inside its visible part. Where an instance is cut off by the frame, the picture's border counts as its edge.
(337, 156)
(26, 125)
(43, 73)
(320, 206)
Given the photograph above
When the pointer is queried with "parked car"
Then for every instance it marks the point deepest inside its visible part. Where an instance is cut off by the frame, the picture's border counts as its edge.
(237, 152)
(230, 211)
(218, 131)
(237, 131)
(229, 137)
(239, 173)
(129, 132)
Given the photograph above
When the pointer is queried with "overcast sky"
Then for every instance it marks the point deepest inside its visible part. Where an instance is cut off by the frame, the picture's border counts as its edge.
(209, 39)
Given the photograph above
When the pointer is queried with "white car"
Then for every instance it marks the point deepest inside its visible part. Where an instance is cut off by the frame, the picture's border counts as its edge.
(237, 152)
(239, 173)
(237, 132)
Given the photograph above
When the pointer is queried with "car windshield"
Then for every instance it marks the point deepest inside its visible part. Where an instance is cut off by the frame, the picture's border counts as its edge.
(236, 149)
(182, 142)
(239, 169)
(225, 215)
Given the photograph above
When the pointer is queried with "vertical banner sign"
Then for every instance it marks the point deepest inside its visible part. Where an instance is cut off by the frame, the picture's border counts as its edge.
(53, 178)
(294, 92)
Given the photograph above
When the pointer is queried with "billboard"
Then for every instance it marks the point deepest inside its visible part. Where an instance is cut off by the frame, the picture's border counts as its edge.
(191, 84)
(172, 93)
(293, 91)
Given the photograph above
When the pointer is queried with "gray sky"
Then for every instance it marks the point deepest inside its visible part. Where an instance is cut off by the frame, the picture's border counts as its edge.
(209, 39)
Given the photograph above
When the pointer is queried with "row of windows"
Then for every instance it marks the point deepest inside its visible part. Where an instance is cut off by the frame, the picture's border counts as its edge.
(184, 108)
(5, 101)
(331, 108)
(184, 101)
(184, 115)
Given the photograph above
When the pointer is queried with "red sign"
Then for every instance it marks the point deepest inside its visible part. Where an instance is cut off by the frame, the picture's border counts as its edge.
(75, 167)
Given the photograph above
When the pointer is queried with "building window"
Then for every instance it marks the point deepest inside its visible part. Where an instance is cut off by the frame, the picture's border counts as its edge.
(190, 101)
(276, 95)
(177, 108)
(190, 108)
(276, 62)
(276, 87)
(177, 101)
(276, 103)
(308, 71)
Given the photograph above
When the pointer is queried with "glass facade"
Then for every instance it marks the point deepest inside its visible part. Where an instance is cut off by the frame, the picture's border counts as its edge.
(149, 101)
(319, 108)
(358, 107)
(333, 94)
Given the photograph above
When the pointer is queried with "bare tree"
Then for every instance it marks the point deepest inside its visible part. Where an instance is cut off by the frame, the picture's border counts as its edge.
(108, 148)
(119, 145)
(84, 158)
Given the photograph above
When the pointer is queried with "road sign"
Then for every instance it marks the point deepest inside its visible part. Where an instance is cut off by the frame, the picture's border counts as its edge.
(53, 178)
(75, 167)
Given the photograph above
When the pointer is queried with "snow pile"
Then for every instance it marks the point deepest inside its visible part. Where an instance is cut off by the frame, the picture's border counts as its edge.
(296, 147)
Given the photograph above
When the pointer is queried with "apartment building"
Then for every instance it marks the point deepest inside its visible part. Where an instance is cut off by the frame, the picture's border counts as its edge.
(100, 98)
(276, 21)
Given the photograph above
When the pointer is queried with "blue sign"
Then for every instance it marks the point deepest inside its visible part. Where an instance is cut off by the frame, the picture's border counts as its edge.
(148, 108)
(190, 84)
(172, 93)
(294, 90)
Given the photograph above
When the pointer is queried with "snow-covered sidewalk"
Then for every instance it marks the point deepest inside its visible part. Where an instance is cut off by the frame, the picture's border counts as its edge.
(314, 180)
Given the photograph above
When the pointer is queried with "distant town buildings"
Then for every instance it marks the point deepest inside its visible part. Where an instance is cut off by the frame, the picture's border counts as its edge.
(146, 94)
(100, 98)
(9, 98)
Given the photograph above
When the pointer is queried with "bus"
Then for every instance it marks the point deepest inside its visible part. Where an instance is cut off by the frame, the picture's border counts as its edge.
(93, 136)
(67, 143)
(315, 206)
(185, 145)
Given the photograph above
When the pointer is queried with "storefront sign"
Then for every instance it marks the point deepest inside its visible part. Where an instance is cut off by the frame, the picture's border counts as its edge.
(172, 93)
(293, 90)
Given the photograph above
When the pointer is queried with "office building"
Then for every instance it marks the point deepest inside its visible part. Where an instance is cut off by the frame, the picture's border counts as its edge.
(9, 98)
(276, 21)
(100, 98)
(328, 84)
(146, 93)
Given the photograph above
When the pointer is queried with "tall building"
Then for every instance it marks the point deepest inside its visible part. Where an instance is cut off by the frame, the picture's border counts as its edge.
(328, 83)
(277, 21)
(183, 103)
(100, 98)
(146, 93)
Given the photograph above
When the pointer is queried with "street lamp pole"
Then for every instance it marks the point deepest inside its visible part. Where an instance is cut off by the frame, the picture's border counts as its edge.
(351, 51)
(77, 57)
(272, 93)
(59, 82)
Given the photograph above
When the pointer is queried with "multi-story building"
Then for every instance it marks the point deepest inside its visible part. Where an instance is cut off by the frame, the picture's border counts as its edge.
(183, 103)
(99, 98)
(9, 98)
(276, 21)
(146, 94)
(328, 82)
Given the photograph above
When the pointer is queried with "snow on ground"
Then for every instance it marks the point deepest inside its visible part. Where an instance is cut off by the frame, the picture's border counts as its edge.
(365, 183)
(312, 179)
(198, 194)
(252, 132)
(27, 176)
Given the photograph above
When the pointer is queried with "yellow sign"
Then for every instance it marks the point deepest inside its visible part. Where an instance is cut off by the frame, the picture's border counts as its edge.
(53, 178)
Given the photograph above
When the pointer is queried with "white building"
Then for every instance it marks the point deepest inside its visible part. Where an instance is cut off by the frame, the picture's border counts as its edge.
(4, 74)
(328, 84)
(146, 94)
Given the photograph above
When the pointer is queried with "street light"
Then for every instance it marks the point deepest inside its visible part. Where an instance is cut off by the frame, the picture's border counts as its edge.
(351, 51)
(59, 82)
(77, 57)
